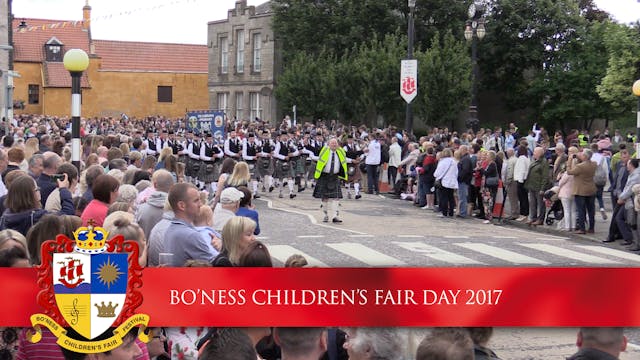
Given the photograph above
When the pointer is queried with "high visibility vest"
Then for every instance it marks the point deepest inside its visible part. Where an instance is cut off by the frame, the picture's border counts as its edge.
(583, 140)
(323, 158)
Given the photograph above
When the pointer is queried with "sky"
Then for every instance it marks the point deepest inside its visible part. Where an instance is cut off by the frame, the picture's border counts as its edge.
(184, 21)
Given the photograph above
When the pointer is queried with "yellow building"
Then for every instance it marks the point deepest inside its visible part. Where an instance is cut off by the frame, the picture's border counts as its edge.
(134, 78)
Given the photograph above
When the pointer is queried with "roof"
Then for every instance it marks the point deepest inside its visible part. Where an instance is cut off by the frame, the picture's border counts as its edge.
(29, 44)
(55, 75)
(263, 8)
(148, 56)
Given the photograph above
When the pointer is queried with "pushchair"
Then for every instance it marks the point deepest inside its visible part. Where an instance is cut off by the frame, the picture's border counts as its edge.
(553, 206)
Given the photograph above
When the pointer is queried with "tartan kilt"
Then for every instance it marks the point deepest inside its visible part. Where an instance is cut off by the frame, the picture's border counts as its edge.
(297, 165)
(252, 168)
(264, 167)
(193, 167)
(322, 191)
(281, 173)
(357, 174)
(209, 172)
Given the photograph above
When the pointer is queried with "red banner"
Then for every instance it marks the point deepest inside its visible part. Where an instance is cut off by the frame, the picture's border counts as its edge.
(367, 296)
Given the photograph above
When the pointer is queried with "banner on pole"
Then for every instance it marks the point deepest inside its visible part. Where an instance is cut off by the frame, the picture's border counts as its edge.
(207, 121)
(409, 80)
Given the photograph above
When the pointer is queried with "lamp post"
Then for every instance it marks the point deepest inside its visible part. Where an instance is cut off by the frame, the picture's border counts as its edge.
(8, 86)
(636, 92)
(76, 62)
(474, 32)
(408, 122)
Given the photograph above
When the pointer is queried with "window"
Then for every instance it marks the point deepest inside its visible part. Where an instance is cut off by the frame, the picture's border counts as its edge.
(256, 107)
(34, 94)
(224, 55)
(165, 94)
(257, 56)
(240, 51)
(54, 52)
(239, 106)
(223, 102)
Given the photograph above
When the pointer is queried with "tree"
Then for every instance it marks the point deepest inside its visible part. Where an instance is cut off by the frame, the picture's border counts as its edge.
(623, 46)
(444, 80)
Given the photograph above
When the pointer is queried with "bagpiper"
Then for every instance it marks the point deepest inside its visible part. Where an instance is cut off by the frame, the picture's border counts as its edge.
(194, 164)
(354, 156)
(250, 151)
(210, 153)
(151, 147)
(283, 151)
(265, 161)
(233, 146)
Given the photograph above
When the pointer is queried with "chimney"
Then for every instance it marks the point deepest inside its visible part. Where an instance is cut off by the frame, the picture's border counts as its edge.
(86, 16)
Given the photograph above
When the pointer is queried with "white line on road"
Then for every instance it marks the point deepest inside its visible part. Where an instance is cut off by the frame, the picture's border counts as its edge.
(506, 255)
(504, 237)
(282, 253)
(574, 255)
(613, 252)
(552, 238)
(366, 255)
(310, 217)
(309, 236)
(411, 236)
(360, 236)
(436, 253)
(456, 237)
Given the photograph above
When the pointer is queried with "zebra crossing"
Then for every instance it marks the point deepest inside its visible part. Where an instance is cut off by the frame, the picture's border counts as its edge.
(417, 250)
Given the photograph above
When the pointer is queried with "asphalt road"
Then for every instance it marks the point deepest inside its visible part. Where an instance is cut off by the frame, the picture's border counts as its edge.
(382, 232)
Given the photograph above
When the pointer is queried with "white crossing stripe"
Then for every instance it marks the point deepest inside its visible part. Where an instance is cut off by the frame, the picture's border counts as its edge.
(282, 253)
(436, 253)
(410, 236)
(309, 236)
(552, 238)
(456, 237)
(574, 255)
(506, 255)
(366, 254)
(504, 237)
(612, 252)
(360, 236)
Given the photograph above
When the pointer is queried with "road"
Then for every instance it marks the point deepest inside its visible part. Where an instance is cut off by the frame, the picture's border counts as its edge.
(381, 232)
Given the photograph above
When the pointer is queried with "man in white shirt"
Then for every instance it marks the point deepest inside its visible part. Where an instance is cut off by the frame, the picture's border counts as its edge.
(395, 156)
(373, 162)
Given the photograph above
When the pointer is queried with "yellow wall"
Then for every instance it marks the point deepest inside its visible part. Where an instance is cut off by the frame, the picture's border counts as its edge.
(113, 93)
(30, 73)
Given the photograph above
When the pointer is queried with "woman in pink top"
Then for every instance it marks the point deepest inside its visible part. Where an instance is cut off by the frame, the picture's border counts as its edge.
(105, 193)
(565, 194)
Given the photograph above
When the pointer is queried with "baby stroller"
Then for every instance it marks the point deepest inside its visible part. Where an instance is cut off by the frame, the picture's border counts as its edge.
(553, 205)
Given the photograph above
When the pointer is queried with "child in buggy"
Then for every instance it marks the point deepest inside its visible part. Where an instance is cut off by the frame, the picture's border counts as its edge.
(553, 205)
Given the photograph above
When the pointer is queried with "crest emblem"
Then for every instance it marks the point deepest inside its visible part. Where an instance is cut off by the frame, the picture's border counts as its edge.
(408, 85)
(89, 284)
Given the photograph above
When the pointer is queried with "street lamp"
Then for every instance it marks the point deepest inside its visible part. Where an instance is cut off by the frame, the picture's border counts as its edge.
(474, 31)
(8, 86)
(76, 62)
(408, 122)
(636, 92)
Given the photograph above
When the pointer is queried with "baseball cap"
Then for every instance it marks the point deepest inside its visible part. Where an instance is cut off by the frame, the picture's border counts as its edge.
(230, 195)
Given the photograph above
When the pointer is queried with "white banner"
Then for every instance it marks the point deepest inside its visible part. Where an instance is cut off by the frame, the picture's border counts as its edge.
(409, 80)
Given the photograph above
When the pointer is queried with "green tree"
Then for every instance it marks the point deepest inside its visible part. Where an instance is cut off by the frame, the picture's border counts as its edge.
(444, 80)
(623, 46)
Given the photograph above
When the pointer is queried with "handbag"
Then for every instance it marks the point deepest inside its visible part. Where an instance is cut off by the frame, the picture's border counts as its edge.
(438, 182)
(491, 181)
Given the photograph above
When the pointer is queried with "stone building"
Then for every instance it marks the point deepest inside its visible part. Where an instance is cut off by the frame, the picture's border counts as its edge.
(135, 78)
(244, 63)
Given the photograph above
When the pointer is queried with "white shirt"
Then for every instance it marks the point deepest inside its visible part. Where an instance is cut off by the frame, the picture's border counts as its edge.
(395, 154)
(374, 154)
(332, 160)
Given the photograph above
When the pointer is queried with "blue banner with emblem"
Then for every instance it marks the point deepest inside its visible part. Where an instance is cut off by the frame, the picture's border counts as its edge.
(201, 121)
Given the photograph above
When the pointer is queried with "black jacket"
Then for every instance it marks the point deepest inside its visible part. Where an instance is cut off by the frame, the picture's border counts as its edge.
(591, 354)
(465, 170)
(23, 221)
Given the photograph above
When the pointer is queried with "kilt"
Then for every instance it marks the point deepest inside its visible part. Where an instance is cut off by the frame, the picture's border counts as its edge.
(264, 167)
(193, 167)
(356, 175)
(252, 168)
(328, 187)
(310, 167)
(209, 172)
(281, 172)
(297, 165)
